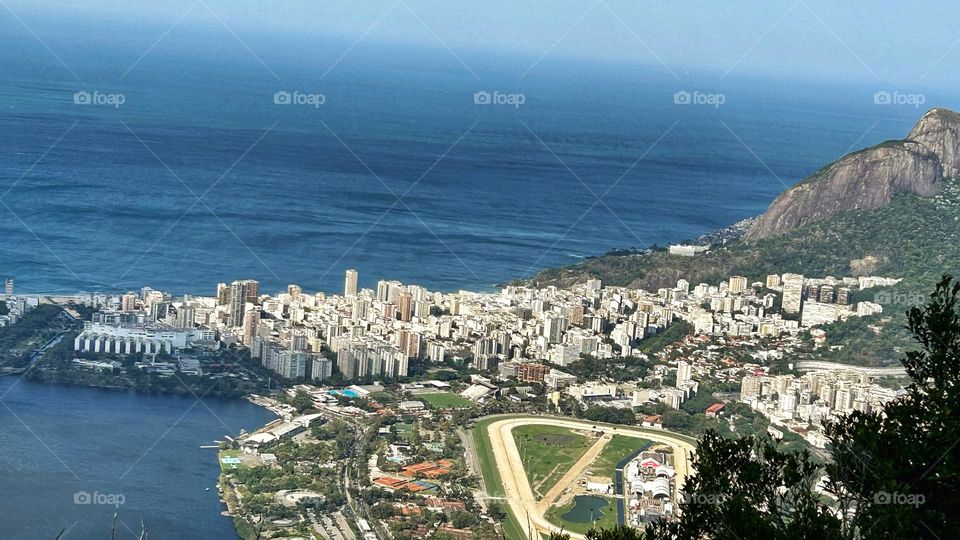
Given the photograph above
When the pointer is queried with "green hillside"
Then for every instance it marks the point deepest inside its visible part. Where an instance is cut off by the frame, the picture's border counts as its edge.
(914, 238)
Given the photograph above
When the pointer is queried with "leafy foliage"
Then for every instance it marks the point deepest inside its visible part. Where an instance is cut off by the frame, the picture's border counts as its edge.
(912, 237)
(892, 475)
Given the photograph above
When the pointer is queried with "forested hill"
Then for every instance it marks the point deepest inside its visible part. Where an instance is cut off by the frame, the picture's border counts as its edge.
(913, 237)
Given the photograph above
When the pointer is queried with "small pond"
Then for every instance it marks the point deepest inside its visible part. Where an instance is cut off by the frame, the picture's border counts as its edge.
(586, 508)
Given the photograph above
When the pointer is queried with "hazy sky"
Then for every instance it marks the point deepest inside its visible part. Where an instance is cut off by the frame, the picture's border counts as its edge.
(891, 42)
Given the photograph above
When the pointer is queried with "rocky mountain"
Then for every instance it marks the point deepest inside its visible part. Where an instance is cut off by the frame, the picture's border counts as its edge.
(869, 178)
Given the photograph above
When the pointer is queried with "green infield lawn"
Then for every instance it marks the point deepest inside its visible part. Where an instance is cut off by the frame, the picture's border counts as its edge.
(445, 400)
(619, 447)
(547, 453)
(512, 526)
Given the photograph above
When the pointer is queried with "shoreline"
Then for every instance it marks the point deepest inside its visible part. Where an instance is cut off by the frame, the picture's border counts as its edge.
(712, 238)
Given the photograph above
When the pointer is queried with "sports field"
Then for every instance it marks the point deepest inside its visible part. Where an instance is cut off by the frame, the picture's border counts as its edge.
(547, 453)
(445, 400)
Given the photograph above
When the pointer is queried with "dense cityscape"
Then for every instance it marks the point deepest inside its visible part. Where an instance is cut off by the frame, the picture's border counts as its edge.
(397, 370)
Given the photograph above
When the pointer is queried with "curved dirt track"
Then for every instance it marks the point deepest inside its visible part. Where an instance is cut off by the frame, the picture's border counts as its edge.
(516, 487)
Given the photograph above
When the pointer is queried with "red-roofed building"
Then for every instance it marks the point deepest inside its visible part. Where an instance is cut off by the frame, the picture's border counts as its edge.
(714, 410)
(391, 482)
(427, 470)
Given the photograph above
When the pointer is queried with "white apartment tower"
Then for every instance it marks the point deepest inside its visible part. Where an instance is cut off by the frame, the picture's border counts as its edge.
(683, 373)
(350, 283)
(792, 293)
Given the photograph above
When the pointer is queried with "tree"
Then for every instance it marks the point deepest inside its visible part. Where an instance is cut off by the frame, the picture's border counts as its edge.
(497, 512)
(302, 401)
(899, 473)
(749, 488)
(894, 475)
(462, 519)
(677, 420)
(610, 415)
(619, 532)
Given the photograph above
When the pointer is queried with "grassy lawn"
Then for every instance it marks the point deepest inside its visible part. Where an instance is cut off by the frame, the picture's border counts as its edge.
(404, 431)
(491, 478)
(619, 447)
(547, 453)
(445, 400)
(512, 526)
(604, 519)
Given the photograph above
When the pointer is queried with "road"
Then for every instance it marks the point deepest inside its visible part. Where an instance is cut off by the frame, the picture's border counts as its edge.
(575, 471)
(516, 487)
(350, 473)
(810, 365)
(473, 465)
(43, 350)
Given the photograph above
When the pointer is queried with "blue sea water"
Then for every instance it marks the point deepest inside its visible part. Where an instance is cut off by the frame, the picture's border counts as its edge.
(56, 442)
(198, 177)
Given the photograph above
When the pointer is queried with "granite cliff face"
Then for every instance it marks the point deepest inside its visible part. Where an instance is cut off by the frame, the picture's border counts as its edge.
(939, 130)
(869, 178)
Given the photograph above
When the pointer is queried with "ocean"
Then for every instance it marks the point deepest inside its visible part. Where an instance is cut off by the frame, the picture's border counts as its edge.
(72, 457)
(383, 162)
(187, 163)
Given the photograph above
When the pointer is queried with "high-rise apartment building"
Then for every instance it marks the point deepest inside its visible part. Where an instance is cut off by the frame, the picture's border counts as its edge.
(530, 372)
(350, 283)
(405, 306)
(294, 291)
(252, 290)
(826, 294)
(554, 327)
(683, 373)
(737, 284)
(292, 364)
(128, 302)
(792, 293)
(185, 317)
(299, 342)
(750, 387)
(237, 303)
(159, 310)
(843, 296)
(251, 321)
(223, 294)
(321, 368)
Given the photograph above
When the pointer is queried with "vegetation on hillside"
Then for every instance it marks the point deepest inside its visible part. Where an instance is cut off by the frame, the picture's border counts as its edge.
(893, 474)
(35, 327)
(914, 238)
